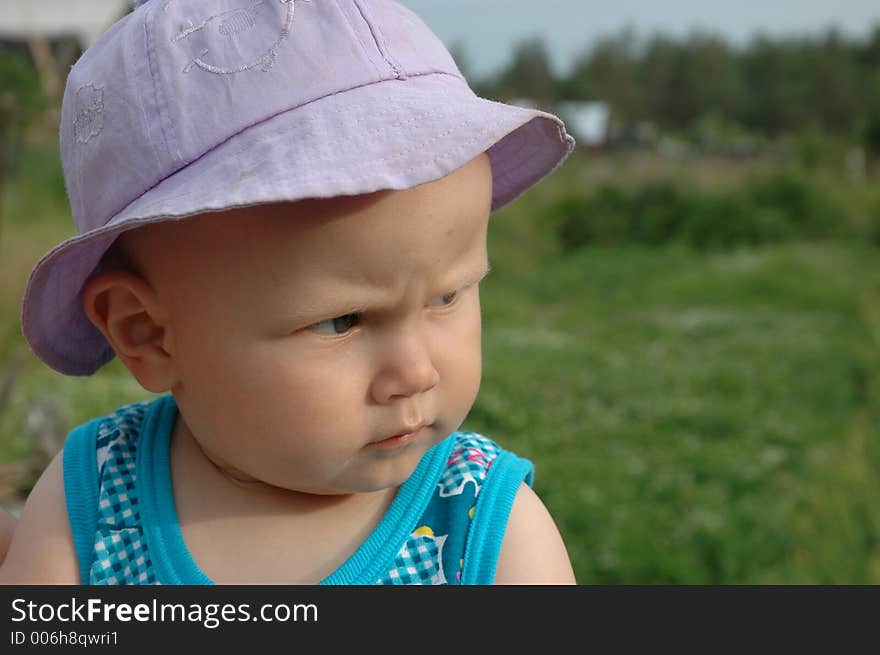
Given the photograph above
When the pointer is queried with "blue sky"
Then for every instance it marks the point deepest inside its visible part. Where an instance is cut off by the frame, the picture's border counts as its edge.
(488, 28)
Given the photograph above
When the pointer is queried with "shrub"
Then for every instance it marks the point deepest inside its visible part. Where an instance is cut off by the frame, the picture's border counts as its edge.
(657, 213)
(873, 222)
(21, 101)
(765, 209)
(607, 211)
(812, 212)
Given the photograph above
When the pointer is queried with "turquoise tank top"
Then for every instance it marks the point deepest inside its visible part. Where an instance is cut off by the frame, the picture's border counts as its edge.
(444, 526)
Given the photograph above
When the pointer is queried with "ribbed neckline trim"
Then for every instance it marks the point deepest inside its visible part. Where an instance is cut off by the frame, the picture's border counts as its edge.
(174, 563)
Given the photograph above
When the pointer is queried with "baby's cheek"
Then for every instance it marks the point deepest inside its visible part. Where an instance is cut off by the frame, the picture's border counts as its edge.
(307, 389)
(461, 362)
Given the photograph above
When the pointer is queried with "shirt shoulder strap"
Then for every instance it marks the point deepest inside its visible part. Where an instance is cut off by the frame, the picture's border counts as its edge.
(99, 458)
(467, 512)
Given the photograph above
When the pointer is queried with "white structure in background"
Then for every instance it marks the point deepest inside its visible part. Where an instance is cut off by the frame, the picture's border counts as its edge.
(588, 122)
(525, 103)
(54, 19)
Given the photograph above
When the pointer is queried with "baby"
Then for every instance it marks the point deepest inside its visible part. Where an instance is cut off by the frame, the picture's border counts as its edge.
(282, 213)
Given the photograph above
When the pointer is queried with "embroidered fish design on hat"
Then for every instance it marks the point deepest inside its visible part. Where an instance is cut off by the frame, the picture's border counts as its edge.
(244, 32)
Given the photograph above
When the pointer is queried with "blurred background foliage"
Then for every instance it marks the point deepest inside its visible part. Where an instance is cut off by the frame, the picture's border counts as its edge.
(682, 326)
(773, 86)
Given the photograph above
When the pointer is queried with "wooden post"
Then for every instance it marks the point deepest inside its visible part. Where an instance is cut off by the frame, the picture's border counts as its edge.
(41, 53)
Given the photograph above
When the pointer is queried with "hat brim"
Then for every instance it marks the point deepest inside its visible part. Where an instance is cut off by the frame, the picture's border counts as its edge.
(395, 134)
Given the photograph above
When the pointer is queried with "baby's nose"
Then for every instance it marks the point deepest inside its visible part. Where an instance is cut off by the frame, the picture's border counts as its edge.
(406, 367)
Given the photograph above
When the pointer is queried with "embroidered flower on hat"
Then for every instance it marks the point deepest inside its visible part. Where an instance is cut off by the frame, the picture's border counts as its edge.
(88, 118)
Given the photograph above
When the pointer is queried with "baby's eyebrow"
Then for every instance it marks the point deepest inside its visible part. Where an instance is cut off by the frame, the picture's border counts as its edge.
(308, 309)
(479, 277)
(457, 282)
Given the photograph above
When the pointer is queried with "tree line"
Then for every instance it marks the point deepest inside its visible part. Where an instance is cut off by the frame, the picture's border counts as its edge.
(772, 86)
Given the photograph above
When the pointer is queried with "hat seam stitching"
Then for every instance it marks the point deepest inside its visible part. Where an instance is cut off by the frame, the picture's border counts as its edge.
(143, 106)
(164, 119)
(379, 39)
(364, 48)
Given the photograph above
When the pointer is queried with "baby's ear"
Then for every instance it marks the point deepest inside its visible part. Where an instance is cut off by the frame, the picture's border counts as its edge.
(127, 311)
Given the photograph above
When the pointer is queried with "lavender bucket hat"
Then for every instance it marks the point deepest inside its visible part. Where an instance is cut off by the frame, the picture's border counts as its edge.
(191, 106)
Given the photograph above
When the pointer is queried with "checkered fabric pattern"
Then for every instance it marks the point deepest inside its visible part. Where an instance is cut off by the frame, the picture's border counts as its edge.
(469, 461)
(121, 555)
(419, 562)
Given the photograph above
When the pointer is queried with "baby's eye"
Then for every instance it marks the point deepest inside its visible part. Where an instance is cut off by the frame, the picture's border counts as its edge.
(335, 326)
(447, 299)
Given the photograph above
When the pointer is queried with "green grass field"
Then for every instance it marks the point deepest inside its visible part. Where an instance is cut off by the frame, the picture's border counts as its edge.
(693, 417)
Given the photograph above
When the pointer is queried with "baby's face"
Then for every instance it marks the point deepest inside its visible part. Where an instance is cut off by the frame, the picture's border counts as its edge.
(304, 335)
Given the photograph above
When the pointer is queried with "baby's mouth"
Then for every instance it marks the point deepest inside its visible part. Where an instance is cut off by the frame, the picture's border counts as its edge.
(402, 438)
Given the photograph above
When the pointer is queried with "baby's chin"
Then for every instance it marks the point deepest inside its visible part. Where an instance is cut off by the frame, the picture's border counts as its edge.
(340, 491)
(370, 479)
(370, 469)
(379, 474)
